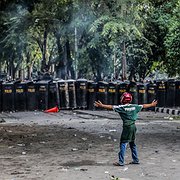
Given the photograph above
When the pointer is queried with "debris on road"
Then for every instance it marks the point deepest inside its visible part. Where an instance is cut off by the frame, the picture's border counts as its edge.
(23, 153)
(112, 130)
(2, 120)
(74, 149)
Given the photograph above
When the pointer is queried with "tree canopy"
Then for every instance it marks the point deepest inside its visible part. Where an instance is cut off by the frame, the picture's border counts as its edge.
(121, 39)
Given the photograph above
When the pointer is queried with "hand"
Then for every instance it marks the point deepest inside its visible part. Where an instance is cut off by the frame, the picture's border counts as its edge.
(154, 103)
(98, 103)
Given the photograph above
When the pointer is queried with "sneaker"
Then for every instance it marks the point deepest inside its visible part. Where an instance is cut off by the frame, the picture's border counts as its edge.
(134, 162)
(118, 164)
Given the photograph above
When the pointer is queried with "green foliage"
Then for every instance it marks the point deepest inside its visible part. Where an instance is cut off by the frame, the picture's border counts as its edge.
(167, 22)
(35, 35)
(172, 43)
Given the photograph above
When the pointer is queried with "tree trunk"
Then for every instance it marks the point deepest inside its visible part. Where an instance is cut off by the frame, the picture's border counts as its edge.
(75, 51)
(124, 63)
(11, 69)
(28, 75)
(70, 69)
(60, 68)
(43, 63)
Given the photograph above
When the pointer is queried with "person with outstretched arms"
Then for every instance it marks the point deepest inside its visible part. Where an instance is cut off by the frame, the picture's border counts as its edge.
(128, 113)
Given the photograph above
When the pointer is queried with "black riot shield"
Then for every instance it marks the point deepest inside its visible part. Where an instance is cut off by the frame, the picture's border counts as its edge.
(8, 95)
(43, 94)
(122, 87)
(91, 94)
(72, 93)
(161, 93)
(151, 92)
(81, 93)
(53, 98)
(20, 96)
(177, 100)
(32, 101)
(142, 93)
(171, 93)
(132, 89)
(112, 95)
(1, 104)
(102, 90)
(63, 94)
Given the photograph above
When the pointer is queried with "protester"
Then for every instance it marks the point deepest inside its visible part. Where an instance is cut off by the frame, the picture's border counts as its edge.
(128, 113)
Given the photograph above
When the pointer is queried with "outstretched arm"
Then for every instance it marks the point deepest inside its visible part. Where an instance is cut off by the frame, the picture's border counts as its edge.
(101, 105)
(153, 104)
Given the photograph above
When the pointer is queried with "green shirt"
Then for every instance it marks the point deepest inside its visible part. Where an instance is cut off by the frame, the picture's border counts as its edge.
(128, 113)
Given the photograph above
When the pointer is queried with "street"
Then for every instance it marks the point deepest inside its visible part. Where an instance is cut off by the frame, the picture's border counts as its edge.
(82, 145)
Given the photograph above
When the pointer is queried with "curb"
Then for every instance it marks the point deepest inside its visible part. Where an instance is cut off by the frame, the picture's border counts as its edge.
(167, 110)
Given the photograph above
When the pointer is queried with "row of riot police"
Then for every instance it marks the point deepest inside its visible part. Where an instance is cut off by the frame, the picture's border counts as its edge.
(166, 92)
(81, 94)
